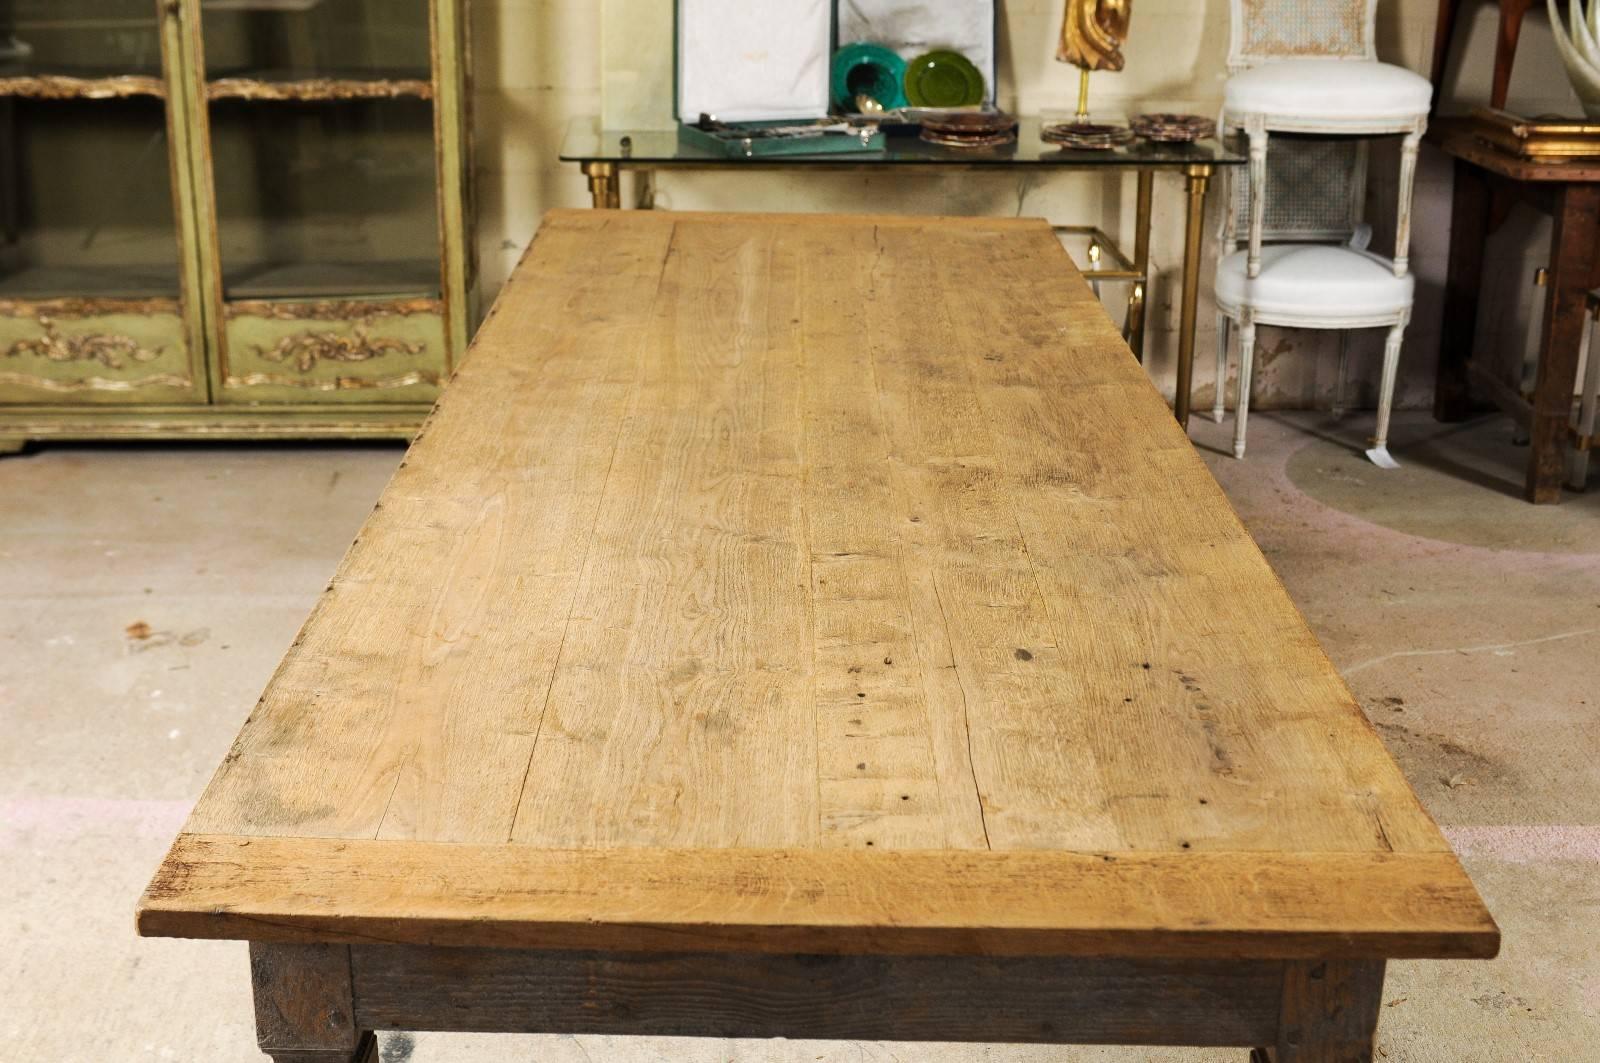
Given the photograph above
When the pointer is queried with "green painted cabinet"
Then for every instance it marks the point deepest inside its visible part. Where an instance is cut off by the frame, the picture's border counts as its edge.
(231, 218)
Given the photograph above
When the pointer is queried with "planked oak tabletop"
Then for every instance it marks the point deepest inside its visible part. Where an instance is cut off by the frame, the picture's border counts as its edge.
(810, 584)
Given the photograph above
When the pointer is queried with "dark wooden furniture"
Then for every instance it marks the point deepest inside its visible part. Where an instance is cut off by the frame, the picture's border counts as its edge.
(1505, 49)
(1486, 181)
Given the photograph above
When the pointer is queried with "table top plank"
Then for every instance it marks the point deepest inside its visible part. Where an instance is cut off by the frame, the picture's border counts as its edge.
(420, 676)
(685, 671)
(820, 901)
(1202, 678)
(787, 535)
(894, 763)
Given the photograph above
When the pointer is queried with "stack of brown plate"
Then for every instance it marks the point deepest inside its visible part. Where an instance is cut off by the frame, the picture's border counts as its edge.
(1173, 128)
(970, 129)
(1085, 136)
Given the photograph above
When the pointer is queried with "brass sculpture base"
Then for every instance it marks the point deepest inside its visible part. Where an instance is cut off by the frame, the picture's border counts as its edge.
(1542, 139)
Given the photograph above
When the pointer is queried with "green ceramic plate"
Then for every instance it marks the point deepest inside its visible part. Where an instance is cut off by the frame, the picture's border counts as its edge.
(866, 69)
(943, 79)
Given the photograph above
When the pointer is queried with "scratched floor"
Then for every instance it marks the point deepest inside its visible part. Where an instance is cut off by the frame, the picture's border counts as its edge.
(1468, 624)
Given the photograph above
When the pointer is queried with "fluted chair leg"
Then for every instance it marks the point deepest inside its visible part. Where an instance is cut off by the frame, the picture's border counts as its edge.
(1223, 325)
(1379, 453)
(1408, 181)
(1339, 384)
(1257, 133)
(1241, 406)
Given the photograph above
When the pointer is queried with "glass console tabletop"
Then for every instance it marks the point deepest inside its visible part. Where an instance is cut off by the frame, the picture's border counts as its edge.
(604, 154)
(586, 142)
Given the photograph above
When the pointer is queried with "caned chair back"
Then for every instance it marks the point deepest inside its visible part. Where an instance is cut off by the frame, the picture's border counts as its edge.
(1264, 30)
(1314, 190)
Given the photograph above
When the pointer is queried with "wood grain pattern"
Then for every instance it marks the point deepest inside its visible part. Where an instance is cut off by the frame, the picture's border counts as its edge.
(1330, 1012)
(879, 998)
(974, 903)
(778, 535)
(305, 1010)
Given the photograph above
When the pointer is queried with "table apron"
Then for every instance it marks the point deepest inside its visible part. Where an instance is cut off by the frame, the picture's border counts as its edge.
(1215, 1003)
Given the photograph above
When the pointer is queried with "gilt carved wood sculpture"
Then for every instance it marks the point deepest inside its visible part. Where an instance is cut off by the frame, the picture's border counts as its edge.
(1092, 33)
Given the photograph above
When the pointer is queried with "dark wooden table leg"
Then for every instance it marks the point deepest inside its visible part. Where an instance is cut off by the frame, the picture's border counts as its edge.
(1469, 228)
(305, 1010)
(1444, 32)
(1512, 13)
(1577, 225)
(1329, 1014)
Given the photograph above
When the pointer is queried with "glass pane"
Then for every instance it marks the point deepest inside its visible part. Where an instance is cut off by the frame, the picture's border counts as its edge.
(86, 199)
(293, 40)
(326, 199)
(79, 38)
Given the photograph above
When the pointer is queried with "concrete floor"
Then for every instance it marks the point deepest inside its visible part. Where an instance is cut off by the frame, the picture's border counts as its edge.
(1467, 623)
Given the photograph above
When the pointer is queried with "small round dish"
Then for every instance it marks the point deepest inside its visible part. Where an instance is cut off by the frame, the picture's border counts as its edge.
(1173, 128)
(972, 123)
(1086, 136)
(871, 70)
(943, 79)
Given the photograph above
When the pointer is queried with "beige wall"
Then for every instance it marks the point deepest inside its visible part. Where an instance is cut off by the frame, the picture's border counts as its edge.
(541, 63)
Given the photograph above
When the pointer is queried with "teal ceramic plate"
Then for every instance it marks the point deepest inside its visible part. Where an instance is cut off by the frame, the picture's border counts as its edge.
(943, 79)
(867, 69)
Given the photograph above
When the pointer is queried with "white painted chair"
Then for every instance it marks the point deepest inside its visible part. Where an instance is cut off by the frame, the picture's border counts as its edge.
(1309, 67)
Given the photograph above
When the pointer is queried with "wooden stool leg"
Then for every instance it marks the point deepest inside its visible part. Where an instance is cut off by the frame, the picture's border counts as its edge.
(304, 1005)
(1329, 1013)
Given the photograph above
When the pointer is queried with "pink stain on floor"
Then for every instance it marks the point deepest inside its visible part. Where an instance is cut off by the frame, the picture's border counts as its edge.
(77, 816)
(1540, 844)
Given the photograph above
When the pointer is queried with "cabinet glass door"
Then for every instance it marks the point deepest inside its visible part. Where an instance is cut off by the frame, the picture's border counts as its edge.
(93, 277)
(79, 39)
(324, 183)
(304, 40)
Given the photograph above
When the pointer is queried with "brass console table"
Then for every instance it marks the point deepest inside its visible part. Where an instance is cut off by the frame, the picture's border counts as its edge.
(604, 154)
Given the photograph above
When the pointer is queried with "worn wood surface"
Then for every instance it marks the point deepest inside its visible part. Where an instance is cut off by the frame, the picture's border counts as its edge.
(830, 901)
(880, 998)
(305, 1010)
(1487, 183)
(1454, 137)
(1572, 266)
(1330, 1012)
(808, 533)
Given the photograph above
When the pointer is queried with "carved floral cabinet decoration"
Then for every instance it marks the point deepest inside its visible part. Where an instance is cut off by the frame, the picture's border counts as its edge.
(230, 218)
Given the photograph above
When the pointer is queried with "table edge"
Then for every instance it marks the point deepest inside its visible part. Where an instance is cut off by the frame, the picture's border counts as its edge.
(1240, 905)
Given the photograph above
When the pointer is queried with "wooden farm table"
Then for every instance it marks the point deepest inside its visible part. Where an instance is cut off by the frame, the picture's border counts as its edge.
(816, 627)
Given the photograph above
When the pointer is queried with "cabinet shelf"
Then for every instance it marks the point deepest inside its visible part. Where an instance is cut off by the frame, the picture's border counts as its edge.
(303, 86)
(74, 87)
(415, 279)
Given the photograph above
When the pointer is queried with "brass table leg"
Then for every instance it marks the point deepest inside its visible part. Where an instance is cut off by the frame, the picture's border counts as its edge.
(604, 187)
(1139, 295)
(1197, 178)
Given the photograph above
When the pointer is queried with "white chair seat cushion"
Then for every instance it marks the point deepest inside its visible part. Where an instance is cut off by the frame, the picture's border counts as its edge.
(1328, 89)
(1314, 283)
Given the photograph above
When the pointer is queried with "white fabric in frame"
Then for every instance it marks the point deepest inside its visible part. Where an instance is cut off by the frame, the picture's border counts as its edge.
(754, 60)
(912, 27)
